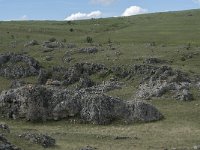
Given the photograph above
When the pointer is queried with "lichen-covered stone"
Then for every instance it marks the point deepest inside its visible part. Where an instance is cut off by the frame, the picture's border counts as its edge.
(18, 65)
(6, 145)
(41, 103)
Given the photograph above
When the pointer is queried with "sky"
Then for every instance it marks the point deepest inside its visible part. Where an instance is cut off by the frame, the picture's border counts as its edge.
(86, 9)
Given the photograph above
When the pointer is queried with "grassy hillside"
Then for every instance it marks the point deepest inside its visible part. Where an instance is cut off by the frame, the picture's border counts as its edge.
(124, 41)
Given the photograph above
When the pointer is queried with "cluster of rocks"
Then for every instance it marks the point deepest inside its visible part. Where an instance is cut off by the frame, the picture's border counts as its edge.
(79, 72)
(18, 65)
(4, 128)
(163, 80)
(74, 73)
(142, 70)
(38, 138)
(52, 45)
(41, 103)
(6, 145)
(88, 50)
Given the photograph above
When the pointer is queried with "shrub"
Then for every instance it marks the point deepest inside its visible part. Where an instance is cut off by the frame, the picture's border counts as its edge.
(89, 39)
(71, 29)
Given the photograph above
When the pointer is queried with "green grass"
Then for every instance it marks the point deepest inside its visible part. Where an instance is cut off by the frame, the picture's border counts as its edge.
(129, 36)
(179, 129)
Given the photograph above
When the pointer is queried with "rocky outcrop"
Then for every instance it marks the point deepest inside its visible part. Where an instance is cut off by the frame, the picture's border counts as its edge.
(165, 80)
(41, 103)
(18, 65)
(6, 145)
(74, 73)
(85, 82)
(41, 139)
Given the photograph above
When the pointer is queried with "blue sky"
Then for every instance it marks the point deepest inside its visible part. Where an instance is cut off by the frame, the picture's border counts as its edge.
(84, 9)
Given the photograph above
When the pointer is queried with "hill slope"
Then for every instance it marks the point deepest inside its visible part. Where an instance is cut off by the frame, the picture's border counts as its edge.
(172, 37)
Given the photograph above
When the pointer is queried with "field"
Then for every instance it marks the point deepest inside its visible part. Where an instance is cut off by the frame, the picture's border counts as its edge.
(171, 36)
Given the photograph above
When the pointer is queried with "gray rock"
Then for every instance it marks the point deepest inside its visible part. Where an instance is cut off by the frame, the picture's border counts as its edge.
(41, 103)
(4, 128)
(196, 147)
(88, 50)
(4, 59)
(31, 43)
(184, 95)
(52, 45)
(6, 145)
(162, 81)
(41, 139)
(74, 73)
(53, 82)
(85, 82)
(198, 85)
(18, 65)
(88, 148)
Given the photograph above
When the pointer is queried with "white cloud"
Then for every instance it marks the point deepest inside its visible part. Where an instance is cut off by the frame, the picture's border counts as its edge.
(196, 1)
(104, 2)
(134, 10)
(24, 17)
(81, 16)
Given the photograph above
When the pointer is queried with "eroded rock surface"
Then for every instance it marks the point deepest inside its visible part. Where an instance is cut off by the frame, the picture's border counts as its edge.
(18, 65)
(6, 145)
(41, 103)
(164, 80)
(74, 73)
(41, 139)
